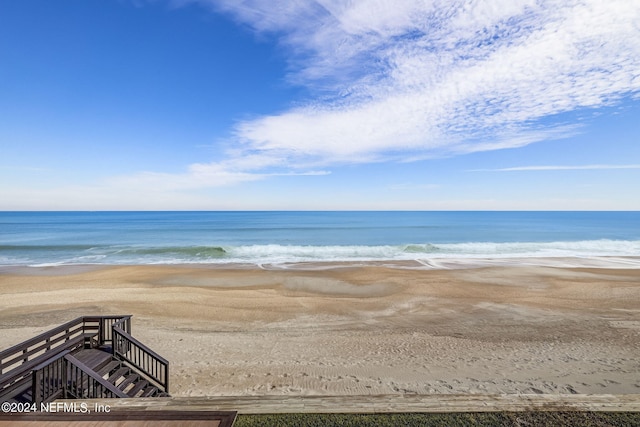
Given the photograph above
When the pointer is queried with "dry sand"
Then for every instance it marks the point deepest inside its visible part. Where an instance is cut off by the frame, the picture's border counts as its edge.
(341, 330)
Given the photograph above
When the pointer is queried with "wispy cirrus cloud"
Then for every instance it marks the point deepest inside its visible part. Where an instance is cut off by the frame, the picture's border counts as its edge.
(412, 78)
(232, 171)
(557, 168)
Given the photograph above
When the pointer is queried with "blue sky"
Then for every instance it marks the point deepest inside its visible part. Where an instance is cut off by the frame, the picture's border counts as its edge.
(230, 104)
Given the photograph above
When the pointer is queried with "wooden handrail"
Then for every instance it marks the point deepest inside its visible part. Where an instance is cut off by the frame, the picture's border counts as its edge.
(27, 350)
(124, 324)
(42, 338)
(159, 374)
(21, 373)
(41, 392)
(48, 361)
(142, 346)
(97, 378)
(105, 323)
(47, 346)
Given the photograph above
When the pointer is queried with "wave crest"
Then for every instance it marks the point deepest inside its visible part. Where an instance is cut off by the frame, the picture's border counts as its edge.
(278, 253)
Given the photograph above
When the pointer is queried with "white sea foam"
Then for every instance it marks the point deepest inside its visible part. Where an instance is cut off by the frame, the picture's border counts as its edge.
(601, 253)
(282, 253)
(441, 255)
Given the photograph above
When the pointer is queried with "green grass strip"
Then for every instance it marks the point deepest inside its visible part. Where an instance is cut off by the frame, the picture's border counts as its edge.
(522, 419)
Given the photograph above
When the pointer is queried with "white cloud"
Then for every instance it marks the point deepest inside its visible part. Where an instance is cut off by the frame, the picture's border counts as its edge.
(190, 190)
(558, 168)
(210, 175)
(410, 78)
(409, 186)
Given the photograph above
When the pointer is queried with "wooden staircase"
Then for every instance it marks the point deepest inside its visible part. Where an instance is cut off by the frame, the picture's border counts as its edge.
(119, 373)
(89, 357)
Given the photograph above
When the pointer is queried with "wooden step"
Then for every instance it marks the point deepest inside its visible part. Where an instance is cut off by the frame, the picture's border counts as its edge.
(22, 397)
(117, 374)
(106, 370)
(128, 380)
(140, 385)
(93, 358)
(149, 391)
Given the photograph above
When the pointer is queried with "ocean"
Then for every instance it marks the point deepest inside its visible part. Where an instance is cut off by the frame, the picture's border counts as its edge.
(278, 238)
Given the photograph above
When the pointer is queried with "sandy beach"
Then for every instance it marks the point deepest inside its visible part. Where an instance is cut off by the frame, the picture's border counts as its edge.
(354, 330)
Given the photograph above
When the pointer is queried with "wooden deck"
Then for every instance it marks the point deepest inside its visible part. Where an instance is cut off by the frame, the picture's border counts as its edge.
(222, 411)
(88, 357)
(124, 419)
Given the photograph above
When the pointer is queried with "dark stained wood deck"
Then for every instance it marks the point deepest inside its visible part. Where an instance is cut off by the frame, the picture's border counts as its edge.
(124, 419)
(93, 358)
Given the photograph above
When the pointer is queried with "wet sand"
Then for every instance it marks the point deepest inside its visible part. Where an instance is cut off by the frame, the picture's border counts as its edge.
(355, 330)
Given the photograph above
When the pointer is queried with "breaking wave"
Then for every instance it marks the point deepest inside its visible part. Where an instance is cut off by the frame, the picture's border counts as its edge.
(278, 253)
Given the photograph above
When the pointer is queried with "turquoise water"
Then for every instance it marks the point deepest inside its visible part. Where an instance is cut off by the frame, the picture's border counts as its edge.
(57, 238)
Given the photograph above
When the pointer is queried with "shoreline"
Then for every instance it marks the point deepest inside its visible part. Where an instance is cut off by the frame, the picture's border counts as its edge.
(355, 330)
(433, 263)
